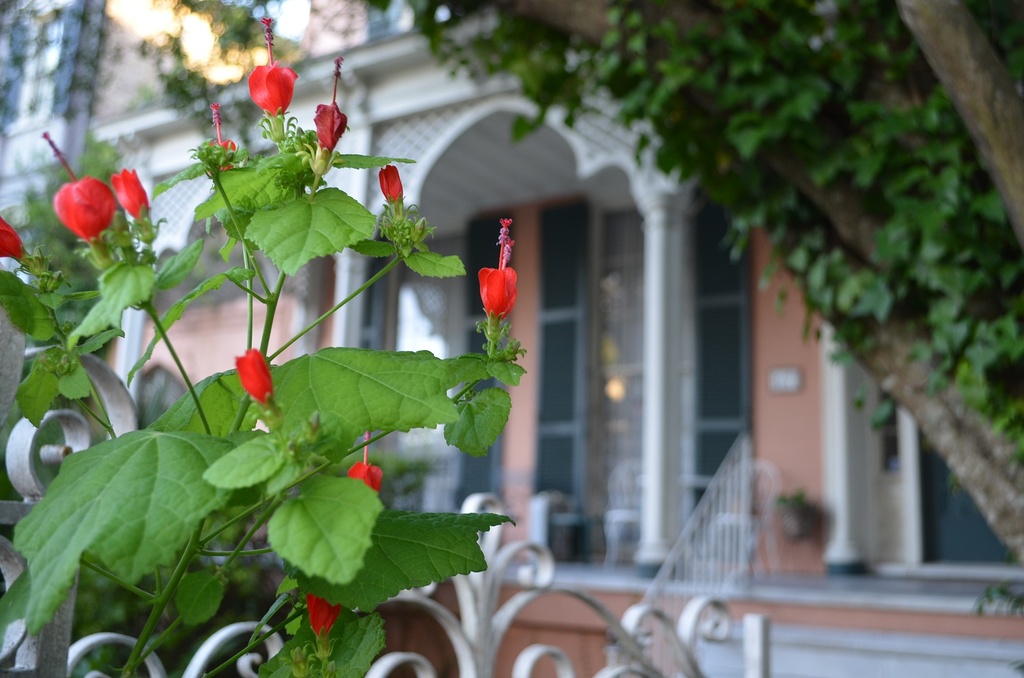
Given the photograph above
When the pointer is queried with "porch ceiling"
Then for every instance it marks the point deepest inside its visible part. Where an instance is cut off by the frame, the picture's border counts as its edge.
(485, 169)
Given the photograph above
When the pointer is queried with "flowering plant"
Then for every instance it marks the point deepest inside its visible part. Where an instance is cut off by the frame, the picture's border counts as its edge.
(260, 445)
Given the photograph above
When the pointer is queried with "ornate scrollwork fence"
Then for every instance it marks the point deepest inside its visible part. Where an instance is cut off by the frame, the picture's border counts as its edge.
(476, 633)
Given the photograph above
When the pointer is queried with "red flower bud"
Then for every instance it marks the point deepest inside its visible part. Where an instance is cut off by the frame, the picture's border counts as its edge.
(254, 374)
(330, 125)
(322, 614)
(10, 242)
(85, 206)
(130, 192)
(368, 473)
(498, 290)
(271, 87)
(390, 183)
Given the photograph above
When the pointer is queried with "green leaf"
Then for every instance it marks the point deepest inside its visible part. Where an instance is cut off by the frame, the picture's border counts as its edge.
(354, 641)
(269, 182)
(354, 161)
(75, 384)
(434, 265)
(36, 393)
(325, 531)
(410, 550)
(98, 341)
(480, 422)
(121, 286)
(176, 268)
(374, 248)
(198, 597)
(131, 502)
(189, 173)
(250, 463)
(24, 308)
(357, 390)
(506, 373)
(301, 230)
(467, 368)
(220, 395)
(174, 313)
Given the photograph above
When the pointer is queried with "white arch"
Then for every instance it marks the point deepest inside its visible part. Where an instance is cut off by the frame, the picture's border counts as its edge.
(589, 157)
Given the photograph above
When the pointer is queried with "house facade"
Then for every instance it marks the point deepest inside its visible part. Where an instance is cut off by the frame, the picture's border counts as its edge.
(651, 346)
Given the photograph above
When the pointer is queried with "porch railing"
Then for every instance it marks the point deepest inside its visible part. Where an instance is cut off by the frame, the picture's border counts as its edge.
(726, 537)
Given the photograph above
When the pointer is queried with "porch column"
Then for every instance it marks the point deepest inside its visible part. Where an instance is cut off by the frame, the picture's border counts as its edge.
(665, 301)
(843, 555)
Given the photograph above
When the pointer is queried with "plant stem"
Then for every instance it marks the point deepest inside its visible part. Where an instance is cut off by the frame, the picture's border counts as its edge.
(362, 288)
(160, 604)
(238, 231)
(252, 530)
(254, 644)
(239, 517)
(158, 326)
(268, 323)
(145, 595)
(250, 552)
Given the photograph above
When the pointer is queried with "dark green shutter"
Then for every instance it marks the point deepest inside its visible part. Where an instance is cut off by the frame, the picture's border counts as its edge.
(723, 362)
(561, 421)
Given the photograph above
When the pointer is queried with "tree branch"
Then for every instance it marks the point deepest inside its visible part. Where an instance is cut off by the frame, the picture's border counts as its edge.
(980, 87)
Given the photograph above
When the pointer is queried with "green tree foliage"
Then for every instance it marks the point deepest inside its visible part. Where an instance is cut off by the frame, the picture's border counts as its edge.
(824, 124)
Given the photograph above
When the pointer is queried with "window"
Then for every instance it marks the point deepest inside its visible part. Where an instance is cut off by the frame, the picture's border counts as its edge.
(41, 61)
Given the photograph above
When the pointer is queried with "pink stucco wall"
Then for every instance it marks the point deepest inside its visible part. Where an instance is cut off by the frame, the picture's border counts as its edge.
(786, 426)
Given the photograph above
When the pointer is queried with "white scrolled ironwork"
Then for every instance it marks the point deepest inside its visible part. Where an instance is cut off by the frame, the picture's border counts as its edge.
(219, 641)
(81, 649)
(478, 631)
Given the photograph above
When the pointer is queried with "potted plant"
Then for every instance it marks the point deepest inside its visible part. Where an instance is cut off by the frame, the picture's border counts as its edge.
(797, 515)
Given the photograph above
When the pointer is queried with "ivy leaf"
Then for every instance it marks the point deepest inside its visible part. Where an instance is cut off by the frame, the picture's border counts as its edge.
(131, 502)
(177, 267)
(198, 597)
(301, 230)
(121, 286)
(24, 308)
(250, 463)
(410, 549)
(174, 313)
(355, 161)
(354, 641)
(480, 422)
(433, 265)
(357, 390)
(325, 531)
(37, 391)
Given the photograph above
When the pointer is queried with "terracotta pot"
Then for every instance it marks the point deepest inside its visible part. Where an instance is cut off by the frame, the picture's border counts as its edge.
(797, 520)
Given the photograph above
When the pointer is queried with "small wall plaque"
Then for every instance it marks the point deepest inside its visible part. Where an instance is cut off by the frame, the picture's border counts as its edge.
(785, 380)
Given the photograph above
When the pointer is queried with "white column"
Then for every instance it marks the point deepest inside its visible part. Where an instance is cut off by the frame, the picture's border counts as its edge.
(843, 555)
(663, 306)
(910, 468)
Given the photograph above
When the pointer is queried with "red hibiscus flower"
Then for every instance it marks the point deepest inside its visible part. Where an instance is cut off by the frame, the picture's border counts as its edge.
(390, 183)
(254, 374)
(10, 242)
(130, 192)
(85, 206)
(322, 614)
